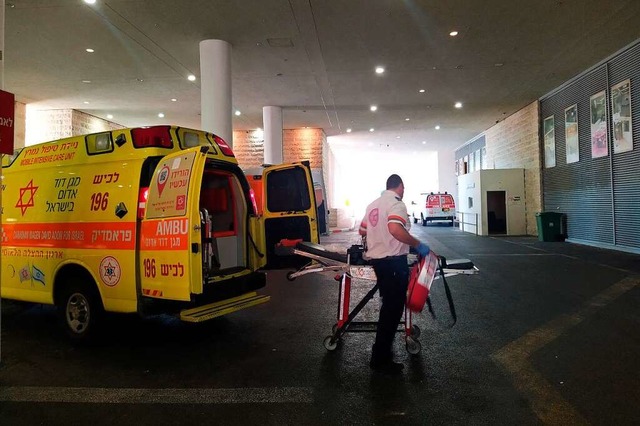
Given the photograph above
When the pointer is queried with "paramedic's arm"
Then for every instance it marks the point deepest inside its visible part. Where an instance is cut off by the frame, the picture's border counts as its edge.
(401, 234)
(363, 228)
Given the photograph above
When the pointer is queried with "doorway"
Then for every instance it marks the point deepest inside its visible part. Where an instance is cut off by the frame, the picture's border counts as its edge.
(497, 212)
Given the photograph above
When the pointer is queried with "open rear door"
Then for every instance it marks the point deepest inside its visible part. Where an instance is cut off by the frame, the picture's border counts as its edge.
(170, 238)
(289, 210)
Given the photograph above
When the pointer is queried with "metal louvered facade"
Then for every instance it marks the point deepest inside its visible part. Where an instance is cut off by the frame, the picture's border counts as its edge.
(600, 196)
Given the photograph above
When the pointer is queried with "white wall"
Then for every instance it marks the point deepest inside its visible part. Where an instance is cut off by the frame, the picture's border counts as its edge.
(447, 180)
(475, 185)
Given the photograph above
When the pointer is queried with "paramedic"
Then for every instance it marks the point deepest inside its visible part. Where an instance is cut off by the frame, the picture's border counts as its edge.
(388, 240)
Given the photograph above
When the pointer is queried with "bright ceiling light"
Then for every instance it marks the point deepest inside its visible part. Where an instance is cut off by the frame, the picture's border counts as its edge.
(191, 77)
(424, 142)
(373, 108)
(109, 116)
(90, 50)
(161, 115)
(458, 105)
(453, 33)
(237, 113)
(421, 90)
(86, 81)
(174, 100)
(407, 119)
(86, 102)
(349, 130)
(90, 1)
(379, 70)
(438, 127)
(371, 129)
(397, 137)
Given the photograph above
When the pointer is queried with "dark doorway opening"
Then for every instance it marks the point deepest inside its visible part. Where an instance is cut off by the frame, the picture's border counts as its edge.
(497, 212)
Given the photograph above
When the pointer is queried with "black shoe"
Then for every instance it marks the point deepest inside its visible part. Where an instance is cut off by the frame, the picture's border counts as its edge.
(388, 367)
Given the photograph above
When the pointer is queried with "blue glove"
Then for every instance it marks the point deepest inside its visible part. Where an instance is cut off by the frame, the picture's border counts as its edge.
(423, 250)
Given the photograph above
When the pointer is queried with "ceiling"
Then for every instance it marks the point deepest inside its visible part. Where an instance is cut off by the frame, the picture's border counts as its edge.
(314, 58)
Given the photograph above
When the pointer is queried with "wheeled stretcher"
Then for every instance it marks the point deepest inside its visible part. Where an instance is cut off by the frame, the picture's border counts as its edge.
(351, 265)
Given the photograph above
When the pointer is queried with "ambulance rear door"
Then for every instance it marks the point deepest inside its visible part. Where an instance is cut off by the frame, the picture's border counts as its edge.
(289, 210)
(170, 261)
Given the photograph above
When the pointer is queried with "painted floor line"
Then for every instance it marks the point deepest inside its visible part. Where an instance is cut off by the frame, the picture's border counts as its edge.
(545, 400)
(510, 254)
(156, 396)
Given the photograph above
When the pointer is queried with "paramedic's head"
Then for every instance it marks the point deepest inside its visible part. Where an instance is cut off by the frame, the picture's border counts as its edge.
(394, 183)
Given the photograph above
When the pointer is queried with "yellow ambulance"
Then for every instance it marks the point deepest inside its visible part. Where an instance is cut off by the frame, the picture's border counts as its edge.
(153, 220)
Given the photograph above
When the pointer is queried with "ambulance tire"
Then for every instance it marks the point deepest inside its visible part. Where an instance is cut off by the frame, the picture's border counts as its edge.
(80, 311)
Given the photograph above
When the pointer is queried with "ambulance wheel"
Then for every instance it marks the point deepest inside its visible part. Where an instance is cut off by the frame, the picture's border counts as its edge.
(330, 346)
(289, 275)
(413, 346)
(80, 309)
(415, 331)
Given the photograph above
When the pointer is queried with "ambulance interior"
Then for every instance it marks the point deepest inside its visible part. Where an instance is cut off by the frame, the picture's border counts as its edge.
(222, 211)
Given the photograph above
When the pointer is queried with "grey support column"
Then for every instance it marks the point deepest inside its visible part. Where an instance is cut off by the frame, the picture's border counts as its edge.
(215, 88)
(272, 119)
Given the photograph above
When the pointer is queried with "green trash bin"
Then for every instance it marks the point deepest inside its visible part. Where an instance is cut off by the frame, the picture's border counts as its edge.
(550, 227)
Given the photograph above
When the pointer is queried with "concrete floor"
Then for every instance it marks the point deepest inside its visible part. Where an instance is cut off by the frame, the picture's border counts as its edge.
(547, 333)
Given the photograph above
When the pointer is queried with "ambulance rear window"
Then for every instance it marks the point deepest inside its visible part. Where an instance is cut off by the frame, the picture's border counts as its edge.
(287, 191)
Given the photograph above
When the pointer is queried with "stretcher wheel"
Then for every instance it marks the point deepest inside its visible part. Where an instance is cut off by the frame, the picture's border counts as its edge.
(330, 346)
(413, 346)
(415, 331)
(289, 275)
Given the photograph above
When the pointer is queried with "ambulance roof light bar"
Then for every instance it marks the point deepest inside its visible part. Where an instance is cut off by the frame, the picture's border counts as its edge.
(155, 136)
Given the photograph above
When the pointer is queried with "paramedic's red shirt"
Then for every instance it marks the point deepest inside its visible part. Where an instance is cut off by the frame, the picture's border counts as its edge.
(389, 208)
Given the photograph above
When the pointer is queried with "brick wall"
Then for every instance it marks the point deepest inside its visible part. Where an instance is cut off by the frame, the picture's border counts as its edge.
(298, 145)
(303, 144)
(513, 143)
(248, 148)
(83, 124)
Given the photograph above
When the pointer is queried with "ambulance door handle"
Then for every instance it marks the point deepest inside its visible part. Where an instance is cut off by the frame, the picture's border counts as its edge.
(195, 247)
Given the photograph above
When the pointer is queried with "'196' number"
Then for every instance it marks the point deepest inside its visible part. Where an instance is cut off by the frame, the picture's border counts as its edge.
(150, 268)
(99, 201)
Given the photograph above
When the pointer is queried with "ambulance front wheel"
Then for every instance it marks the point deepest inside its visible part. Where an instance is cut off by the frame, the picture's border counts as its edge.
(79, 308)
(413, 346)
(330, 344)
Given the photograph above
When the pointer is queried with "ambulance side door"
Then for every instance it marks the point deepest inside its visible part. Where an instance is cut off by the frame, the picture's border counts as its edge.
(170, 261)
(289, 210)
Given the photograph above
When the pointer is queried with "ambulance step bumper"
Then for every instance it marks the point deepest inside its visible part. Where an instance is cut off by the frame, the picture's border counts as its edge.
(223, 307)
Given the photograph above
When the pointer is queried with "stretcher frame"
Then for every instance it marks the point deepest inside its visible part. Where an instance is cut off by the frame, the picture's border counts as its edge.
(333, 262)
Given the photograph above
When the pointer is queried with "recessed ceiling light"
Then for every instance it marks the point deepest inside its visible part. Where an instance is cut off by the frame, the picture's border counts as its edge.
(453, 33)
(237, 112)
(407, 119)
(458, 105)
(379, 70)
(438, 127)
(424, 142)
(397, 137)
(421, 90)
(139, 80)
(371, 129)
(191, 77)
(174, 100)
(349, 130)
(90, 50)
(86, 81)
(161, 115)
(90, 1)
(373, 108)
(109, 116)
(86, 102)
(498, 64)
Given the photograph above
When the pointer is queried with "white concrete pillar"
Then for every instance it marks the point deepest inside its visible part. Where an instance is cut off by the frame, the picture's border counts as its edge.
(215, 88)
(272, 119)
